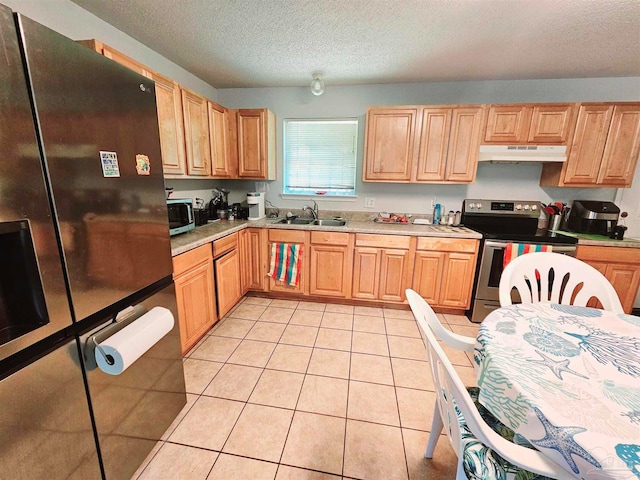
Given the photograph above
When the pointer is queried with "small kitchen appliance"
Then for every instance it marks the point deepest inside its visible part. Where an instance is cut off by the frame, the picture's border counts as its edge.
(181, 217)
(502, 222)
(255, 200)
(593, 216)
(219, 204)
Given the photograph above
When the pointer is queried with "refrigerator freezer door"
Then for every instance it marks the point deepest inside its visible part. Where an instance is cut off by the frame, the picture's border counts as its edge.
(24, 201)
(99, 128)
(45, 428)
(134, 409)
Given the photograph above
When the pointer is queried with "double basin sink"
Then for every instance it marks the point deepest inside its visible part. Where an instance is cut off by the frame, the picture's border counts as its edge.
(322, 222)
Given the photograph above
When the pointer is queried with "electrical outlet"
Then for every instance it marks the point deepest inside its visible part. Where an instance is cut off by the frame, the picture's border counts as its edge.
(369, 202)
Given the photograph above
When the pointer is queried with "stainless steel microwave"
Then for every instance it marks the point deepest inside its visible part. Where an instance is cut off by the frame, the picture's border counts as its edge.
(181, 217)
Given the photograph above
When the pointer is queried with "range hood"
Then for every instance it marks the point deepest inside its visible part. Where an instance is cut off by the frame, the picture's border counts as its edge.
(522, 153)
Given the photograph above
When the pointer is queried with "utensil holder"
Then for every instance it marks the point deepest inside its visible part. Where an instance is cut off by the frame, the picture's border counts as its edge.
(555, 222)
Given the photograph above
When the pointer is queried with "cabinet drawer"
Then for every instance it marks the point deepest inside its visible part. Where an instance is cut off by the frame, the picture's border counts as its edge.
(447, 244)
(382, 241)
(225, 244)
(330, 238)
(286, 236)
(187, 260)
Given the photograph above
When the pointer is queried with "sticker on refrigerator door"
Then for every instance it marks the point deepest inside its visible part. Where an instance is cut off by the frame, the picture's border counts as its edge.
(143, 165)
(109, 162)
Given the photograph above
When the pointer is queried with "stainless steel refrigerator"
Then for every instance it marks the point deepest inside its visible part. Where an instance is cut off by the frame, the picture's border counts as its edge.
(84, 253)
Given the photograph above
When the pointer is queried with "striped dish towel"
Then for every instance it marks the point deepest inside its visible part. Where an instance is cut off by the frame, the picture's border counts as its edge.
(286, 262)
(514, 250)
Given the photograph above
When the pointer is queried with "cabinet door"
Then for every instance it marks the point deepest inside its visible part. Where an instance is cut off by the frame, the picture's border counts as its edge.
(195, 296)
(551, 124)
(329, 270)
(464, 144)
(245, 260)
(170, 123)
(196, 132)
(255, 268)
(434, 143)
(427, 275)
(508, 124)
(389, 150)
(366, 273)
(457, 280)
(393, 275)
(122, 59)
(622, 148)
(218, 128)
(625, 280)
(587, 147)
(228, 281)
(252, 149)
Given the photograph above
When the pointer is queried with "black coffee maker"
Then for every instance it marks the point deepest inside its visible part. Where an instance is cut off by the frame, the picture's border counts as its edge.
(218, 202)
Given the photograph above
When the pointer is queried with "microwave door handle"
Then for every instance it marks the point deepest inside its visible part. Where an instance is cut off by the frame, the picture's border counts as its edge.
(190, 215)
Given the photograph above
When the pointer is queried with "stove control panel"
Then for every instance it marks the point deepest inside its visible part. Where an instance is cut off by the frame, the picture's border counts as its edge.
(527, 208)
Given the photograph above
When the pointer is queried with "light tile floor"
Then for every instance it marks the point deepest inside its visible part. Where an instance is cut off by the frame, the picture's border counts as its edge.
(283, 390)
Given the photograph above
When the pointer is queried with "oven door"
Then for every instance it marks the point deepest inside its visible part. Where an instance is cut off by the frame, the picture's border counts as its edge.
(487, 297)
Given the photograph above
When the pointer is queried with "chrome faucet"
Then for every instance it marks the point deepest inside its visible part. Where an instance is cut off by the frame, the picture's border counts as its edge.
(313, 210)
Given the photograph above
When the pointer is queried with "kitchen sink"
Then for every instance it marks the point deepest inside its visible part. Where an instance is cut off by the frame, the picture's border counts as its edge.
(295, 221)
(329, 223)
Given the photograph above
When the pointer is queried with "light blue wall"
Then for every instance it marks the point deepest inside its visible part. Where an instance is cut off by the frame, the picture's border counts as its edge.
(519, 181)
(69, 19)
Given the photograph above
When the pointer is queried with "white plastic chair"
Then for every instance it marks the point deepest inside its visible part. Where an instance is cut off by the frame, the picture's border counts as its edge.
(568, 274)
(466, 429)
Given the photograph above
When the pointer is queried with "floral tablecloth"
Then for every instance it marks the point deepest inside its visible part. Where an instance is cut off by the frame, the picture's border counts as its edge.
(567, 380)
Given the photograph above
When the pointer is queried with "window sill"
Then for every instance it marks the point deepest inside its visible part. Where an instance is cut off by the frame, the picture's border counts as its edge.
(330, 198)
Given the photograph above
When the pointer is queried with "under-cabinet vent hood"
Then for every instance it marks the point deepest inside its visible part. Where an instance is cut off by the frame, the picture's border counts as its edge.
(522, 153)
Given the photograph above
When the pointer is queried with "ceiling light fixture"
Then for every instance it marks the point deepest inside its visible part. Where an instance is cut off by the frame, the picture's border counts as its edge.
(317, 85)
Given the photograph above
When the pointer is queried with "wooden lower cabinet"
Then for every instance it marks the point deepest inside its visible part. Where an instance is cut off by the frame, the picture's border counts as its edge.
(330, 260)
(621, 266)
(195, 294)
(226, 254)
(252, 259)
(381, 267)
(444, 271)
(297, 237)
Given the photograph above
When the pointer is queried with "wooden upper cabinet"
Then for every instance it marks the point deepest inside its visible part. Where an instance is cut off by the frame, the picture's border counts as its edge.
(423, 144)
(389, 149)
(533, 124)
(196, 134)
(622, 148)
(604, 150)
(434, 144)
(464, 144)
(256, 144)
(221, 166)
(169, 105)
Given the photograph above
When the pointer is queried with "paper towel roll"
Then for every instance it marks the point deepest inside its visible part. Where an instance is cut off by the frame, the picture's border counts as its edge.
(130, 343)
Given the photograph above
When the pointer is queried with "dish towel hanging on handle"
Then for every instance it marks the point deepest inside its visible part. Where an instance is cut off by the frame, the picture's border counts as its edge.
(286, 262)
(513, 250)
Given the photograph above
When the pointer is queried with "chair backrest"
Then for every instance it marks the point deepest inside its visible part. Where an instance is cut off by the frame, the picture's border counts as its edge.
(452, 394)
(555, 278)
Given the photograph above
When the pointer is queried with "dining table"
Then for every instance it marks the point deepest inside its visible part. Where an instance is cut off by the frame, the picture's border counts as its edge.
(566, 380)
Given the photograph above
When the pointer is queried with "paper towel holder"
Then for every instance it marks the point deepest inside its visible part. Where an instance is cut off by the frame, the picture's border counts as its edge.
(118, 322)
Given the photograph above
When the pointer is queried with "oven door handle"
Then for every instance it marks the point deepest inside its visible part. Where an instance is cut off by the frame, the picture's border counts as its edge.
(555, 249)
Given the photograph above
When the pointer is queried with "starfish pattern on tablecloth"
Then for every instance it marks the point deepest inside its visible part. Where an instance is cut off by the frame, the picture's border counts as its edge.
(561, 439)
(556, 367)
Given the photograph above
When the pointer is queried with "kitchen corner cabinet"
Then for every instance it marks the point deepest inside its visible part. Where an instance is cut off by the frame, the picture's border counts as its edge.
(195, 294)
(196, 134)
(381, 267)
(621, 266)
(422, 144)
(331, 259)
(252, 260)
(444, 271)
(533, 124)
(256, 144)
(297, 237)
(221, 162)
(226, 256)
(604, 151)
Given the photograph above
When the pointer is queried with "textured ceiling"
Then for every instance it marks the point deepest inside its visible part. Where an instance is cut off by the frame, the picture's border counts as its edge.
(261, 43)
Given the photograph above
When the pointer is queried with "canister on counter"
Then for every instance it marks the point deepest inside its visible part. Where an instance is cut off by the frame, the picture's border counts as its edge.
(451, 218)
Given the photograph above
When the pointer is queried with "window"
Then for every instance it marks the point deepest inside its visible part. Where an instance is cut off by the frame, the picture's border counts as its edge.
(320, 157)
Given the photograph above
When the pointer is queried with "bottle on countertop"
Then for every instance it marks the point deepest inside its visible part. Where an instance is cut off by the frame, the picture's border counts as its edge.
(437, 212)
